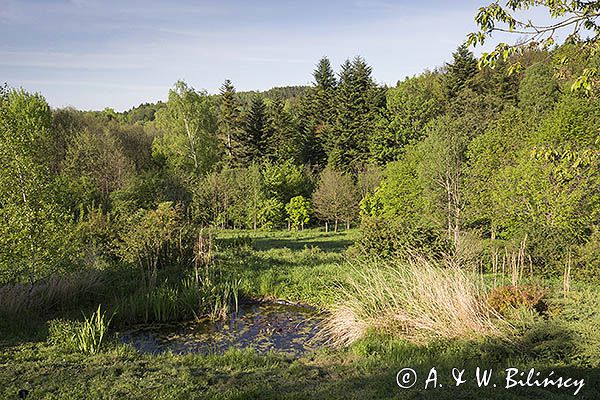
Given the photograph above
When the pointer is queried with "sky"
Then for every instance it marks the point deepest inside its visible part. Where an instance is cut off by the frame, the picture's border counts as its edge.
(93, 54)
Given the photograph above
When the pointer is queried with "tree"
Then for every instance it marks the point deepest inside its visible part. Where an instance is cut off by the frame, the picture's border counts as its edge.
(35, 232)
(410, 106)
(444, 169)
(487, 154)
(98, 156)
(149, 238)
(283, 141)
(539, 90)
(462, 69)
(298, 210)
(316, 114)
(580, 16)
(251, 142)
(368, 180)
(358, 100)
(189, 141)
(335, 198)
(324, 76)
(229, 117)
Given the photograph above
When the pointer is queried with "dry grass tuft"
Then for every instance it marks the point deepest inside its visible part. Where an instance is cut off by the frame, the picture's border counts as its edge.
(48, 294)
(416, 299)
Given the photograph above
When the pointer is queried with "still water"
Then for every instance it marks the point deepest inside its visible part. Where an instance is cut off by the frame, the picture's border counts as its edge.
(263, 327)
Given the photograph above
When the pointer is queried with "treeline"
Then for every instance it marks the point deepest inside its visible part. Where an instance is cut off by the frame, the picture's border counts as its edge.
(457, 162)
(500, 169)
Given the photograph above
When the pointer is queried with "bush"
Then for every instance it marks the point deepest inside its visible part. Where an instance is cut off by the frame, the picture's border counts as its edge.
(386, 239)
(505, 298)
(588, 259)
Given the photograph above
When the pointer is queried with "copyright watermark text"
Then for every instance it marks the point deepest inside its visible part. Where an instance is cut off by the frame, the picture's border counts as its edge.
(508, 378)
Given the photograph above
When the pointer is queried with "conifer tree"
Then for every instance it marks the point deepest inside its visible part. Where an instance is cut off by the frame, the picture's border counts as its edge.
(250, 143)
(229, 117)
(357, 102)
(283, 143)
(460, 71)
(317, 114)
(324, 76)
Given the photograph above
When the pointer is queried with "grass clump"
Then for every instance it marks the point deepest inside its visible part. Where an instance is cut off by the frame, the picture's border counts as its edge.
(62, 334)
(416, 299)
(92, 333)
(87, 336)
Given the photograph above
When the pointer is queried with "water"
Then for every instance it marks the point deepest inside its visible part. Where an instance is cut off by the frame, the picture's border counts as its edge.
(262, 327)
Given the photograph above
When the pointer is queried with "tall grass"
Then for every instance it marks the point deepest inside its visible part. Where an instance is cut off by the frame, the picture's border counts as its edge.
(184, 299)
(49, 294)
(417, 299)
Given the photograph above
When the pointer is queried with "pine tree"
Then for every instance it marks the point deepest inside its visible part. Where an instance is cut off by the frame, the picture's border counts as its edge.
(324, 76)
(229, 117)
(460, 71)
(309, 130)
(250, 143)
(317, 114)
(283, 142)
(357, 99)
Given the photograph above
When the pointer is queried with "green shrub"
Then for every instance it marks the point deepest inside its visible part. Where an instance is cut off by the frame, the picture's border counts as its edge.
(587, 262)
(385, 238)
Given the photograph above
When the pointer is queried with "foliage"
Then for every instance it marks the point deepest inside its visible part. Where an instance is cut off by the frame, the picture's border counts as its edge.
(335, 197)
(35, 234)
(298, 210)
(580, 16)
(99, 158)
(150, 239)
(410, 106)
(250, 143)
(358, 99)
(189, 143)
(504, 298)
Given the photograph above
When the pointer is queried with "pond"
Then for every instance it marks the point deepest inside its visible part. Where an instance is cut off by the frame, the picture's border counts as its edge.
(263, 327)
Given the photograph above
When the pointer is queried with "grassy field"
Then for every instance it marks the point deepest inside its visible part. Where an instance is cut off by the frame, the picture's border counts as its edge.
(310, 267)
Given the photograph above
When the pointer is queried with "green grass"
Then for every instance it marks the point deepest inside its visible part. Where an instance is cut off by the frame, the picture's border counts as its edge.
(304, 267)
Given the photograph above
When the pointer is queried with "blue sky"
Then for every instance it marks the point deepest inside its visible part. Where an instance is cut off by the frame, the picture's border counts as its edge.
(93, 54)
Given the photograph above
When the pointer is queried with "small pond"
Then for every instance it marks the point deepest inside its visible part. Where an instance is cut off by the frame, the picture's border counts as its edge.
(263, 327)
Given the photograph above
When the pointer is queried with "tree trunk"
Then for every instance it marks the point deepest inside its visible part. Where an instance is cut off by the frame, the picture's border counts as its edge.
(336, 225)
(326, 227)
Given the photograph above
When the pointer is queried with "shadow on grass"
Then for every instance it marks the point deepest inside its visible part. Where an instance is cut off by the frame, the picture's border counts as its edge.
(336, 246)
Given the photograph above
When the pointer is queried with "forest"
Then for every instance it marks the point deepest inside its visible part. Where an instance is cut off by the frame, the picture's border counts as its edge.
(478, 178)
